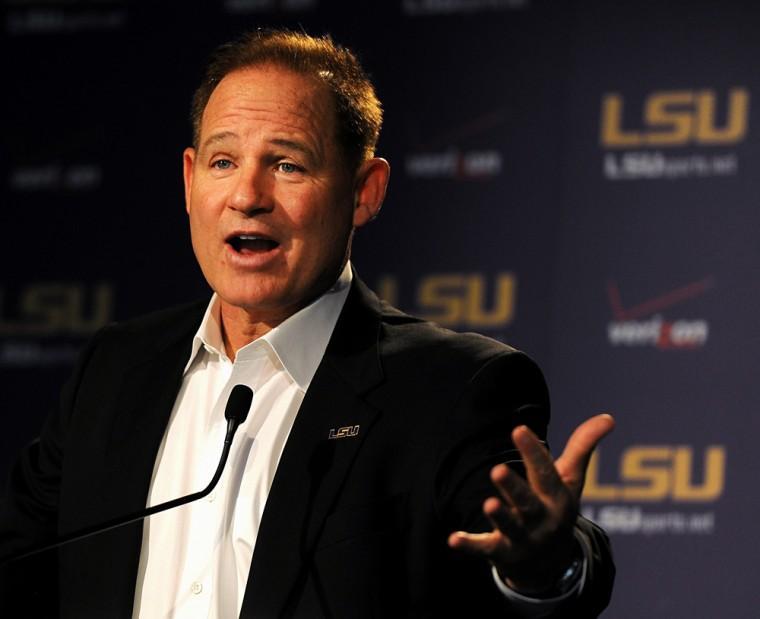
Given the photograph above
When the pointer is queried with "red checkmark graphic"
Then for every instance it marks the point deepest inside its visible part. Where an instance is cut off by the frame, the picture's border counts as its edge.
(656, 304)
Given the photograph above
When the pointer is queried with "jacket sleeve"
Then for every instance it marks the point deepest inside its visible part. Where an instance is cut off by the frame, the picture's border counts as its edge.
(507, 391)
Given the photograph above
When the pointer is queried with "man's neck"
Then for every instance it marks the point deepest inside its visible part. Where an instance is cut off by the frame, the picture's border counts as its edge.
(239, 327)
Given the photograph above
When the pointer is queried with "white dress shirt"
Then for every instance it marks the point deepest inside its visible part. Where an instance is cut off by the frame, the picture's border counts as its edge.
(195, 560)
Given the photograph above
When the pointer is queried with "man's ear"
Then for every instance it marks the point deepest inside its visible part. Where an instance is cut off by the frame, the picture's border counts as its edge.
(188, 159)
(369, 192)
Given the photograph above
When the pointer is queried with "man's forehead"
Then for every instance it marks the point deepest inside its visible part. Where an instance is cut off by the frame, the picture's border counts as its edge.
(269, 89)
(288, 109)
(274, 83)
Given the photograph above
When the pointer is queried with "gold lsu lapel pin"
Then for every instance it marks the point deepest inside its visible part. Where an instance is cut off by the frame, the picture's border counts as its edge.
(344, 432)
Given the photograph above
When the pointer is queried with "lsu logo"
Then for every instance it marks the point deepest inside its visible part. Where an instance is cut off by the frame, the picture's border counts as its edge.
(457, 300)
(344, 432)
(677, 118)
(659, 473)
(58, 308)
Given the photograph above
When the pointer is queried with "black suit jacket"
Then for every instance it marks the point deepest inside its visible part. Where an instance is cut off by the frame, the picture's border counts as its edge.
(354, 526)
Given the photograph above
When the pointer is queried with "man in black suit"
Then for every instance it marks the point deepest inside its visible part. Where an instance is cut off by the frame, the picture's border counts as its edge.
(371, 480)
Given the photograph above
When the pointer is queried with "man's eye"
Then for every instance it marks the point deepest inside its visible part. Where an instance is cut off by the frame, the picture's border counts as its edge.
(287, 167)
(222, 164)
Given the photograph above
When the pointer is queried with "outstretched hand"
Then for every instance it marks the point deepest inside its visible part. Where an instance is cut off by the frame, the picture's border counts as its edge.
(532, 541)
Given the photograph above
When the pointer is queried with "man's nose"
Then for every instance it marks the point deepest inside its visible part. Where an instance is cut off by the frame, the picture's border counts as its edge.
(252, 191)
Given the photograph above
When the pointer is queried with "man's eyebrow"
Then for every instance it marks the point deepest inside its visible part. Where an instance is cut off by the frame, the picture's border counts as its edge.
(294, 145)
(282, 142)
(218, 137)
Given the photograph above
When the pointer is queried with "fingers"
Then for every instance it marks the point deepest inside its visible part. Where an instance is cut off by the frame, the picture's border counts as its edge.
(505, 519)
(585, 438)
(526, 507)
(533, 518)
(486, 544)
(508, 530)
(539, 465)
(574, 460)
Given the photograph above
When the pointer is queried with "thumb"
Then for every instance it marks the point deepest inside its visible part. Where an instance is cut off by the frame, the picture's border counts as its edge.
(573, 462)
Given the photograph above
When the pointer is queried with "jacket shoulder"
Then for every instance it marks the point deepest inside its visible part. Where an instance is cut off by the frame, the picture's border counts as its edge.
(425, 358)
(159, 325)
(125, 342)
(162, 319)
(407, 335)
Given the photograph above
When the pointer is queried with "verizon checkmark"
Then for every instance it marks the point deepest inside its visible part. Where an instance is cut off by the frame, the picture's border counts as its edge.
(656, 304)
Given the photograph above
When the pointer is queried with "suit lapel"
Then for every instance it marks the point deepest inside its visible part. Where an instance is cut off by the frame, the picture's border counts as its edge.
(313, 466)
(144, 404)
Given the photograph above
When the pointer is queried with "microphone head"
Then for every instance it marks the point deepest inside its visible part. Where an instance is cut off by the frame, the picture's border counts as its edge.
(238, 403)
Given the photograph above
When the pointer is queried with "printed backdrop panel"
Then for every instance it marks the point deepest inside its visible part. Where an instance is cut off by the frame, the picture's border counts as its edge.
(658, 301)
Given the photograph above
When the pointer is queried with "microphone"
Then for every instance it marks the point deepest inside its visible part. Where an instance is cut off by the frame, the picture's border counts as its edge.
(235, 413)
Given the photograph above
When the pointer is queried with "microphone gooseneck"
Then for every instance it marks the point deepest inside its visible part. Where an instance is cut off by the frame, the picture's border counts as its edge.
(235, 413)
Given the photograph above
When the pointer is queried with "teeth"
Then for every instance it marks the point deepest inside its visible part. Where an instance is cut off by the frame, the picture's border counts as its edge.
(252, 242)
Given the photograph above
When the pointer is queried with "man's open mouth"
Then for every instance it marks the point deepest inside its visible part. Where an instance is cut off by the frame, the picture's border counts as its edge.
(246, 243)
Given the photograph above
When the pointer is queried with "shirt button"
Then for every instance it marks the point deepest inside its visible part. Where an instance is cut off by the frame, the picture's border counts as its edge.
(211, 497)
(196, 588)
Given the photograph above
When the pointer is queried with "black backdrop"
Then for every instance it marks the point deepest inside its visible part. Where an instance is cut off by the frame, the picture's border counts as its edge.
(575, 178)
